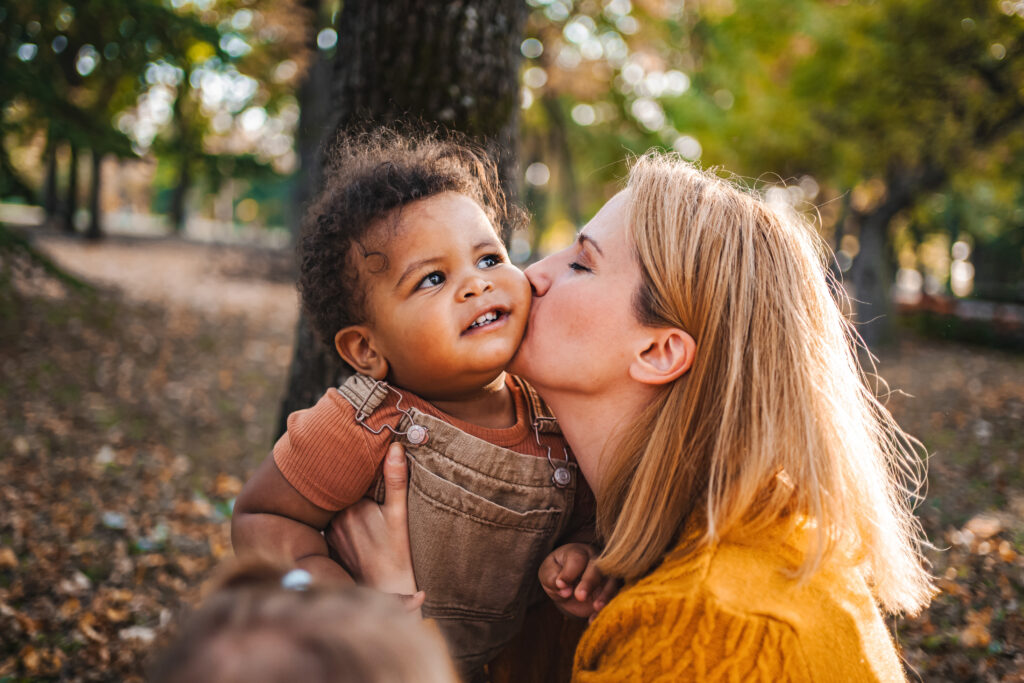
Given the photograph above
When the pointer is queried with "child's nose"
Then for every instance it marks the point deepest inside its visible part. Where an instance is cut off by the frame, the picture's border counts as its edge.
(474, 286)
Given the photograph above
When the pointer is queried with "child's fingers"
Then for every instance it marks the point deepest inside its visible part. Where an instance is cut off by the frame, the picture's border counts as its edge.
(548, 572)
(606, 593)
(590, 581)
(574, 564)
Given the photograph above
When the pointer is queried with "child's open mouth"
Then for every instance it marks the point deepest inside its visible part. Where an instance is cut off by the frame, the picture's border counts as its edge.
(487, 319)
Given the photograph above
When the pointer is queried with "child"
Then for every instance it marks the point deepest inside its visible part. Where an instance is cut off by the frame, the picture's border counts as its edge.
(255, 630)
(404, 274)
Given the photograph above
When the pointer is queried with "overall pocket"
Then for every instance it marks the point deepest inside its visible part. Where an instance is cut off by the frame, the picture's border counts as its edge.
(471, 555)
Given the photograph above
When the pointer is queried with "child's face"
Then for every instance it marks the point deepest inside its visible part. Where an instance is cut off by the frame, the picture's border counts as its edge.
(449, 311)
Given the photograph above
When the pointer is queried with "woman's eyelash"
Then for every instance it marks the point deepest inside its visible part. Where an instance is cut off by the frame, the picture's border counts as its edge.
(574, 265)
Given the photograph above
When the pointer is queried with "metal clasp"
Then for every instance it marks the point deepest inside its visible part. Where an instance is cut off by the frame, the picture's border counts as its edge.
(416, 434)
(560, 476)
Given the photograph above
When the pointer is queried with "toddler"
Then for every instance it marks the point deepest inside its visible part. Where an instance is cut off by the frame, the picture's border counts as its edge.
(403, 272)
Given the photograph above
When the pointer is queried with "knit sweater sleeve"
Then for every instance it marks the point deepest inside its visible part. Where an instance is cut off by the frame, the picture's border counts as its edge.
(686, 638)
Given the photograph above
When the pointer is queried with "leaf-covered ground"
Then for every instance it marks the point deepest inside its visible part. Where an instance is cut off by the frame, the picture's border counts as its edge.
(131, 416)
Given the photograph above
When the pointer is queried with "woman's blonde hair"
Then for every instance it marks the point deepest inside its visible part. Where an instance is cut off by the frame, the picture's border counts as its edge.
(773, 421)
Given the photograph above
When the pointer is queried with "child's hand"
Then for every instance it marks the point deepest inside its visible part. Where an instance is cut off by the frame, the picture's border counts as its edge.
(571, 579)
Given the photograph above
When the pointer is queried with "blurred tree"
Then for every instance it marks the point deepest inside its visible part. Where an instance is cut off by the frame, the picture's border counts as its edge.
(314, 106)
(451, 63)
(69, 66)
(890, 100)
(872, 105)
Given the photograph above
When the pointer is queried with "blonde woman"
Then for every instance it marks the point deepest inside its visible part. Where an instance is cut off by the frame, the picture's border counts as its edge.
(752, 493)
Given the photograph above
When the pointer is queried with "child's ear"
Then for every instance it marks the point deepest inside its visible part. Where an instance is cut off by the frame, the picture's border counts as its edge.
(668, 355)
(355, 346)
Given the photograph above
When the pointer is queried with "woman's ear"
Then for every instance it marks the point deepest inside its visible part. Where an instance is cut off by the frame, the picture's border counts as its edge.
(668, 355)
(355, 346)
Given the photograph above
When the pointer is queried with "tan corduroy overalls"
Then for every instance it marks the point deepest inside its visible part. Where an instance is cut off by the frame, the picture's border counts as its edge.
(482, 518)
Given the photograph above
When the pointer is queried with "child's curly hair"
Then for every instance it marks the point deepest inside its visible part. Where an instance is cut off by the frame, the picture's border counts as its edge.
(368, 176)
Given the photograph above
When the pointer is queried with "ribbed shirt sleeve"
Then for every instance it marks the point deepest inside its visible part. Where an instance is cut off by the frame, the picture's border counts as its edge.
(329, 457)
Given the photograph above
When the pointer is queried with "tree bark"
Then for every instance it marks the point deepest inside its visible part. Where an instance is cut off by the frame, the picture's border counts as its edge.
(185, 147)
(314, 112)
(95, 229)
(51, 202)
(871, 273)
(177, 208)
(453, 63)
(71, 198)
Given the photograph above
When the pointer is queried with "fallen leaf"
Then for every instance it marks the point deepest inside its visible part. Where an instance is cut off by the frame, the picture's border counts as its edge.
(1006, 552)
(976, 633)
(8, 666)
(115, 615)
(86, 626)
(30, 659)
(70, 608)
(8, 560)
(227, 486)
(143, 634)
(984, 526)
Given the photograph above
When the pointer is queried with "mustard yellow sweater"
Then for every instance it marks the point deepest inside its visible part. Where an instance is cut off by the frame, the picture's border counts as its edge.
(730, 614)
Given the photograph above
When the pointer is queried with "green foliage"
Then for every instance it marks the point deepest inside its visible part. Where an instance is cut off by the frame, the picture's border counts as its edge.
(886, 102)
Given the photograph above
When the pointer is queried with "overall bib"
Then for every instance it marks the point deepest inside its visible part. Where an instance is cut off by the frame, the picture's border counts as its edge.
(482, 518)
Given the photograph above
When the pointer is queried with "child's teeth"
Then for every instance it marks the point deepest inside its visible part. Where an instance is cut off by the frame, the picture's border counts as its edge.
(485, 318)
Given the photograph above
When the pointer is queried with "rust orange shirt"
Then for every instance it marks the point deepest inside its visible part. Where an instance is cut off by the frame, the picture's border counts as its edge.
(332, 460)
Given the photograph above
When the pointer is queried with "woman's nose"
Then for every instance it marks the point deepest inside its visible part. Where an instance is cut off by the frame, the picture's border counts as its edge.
(474, 286)
(538, 275)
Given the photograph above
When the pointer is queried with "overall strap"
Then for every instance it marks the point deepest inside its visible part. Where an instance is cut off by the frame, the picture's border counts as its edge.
(364, 393)
(540, 414)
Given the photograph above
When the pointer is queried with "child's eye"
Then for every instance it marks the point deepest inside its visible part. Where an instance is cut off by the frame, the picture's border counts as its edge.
(489, 261)
(433, 280)
(579, 267)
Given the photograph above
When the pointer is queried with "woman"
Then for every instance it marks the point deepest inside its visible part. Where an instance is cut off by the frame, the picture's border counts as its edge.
(751, 491)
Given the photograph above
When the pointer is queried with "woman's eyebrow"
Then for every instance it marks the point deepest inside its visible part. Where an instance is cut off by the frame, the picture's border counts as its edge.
(582, 239)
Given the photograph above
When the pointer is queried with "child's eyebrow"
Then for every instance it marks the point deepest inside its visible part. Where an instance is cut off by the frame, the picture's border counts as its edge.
(582, 239)
(413, 267)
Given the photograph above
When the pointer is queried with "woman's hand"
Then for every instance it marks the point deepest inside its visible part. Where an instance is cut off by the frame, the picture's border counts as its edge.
(373, 540)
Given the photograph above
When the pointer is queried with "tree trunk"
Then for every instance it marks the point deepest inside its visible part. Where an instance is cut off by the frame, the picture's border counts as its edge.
(453, 63)
(871, 272)
(51, 202)
(177, 210)
(314, 113)
(71, 199)
(872, 281)
(11, 183)
(95, 229)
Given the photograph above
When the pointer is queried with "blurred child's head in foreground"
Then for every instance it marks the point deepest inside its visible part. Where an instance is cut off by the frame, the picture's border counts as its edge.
(253, 630)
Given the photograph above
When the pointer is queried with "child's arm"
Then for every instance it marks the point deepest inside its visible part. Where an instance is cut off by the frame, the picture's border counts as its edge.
(272, 519)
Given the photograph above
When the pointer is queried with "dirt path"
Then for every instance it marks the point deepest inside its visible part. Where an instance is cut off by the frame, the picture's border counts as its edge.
(212, 280)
